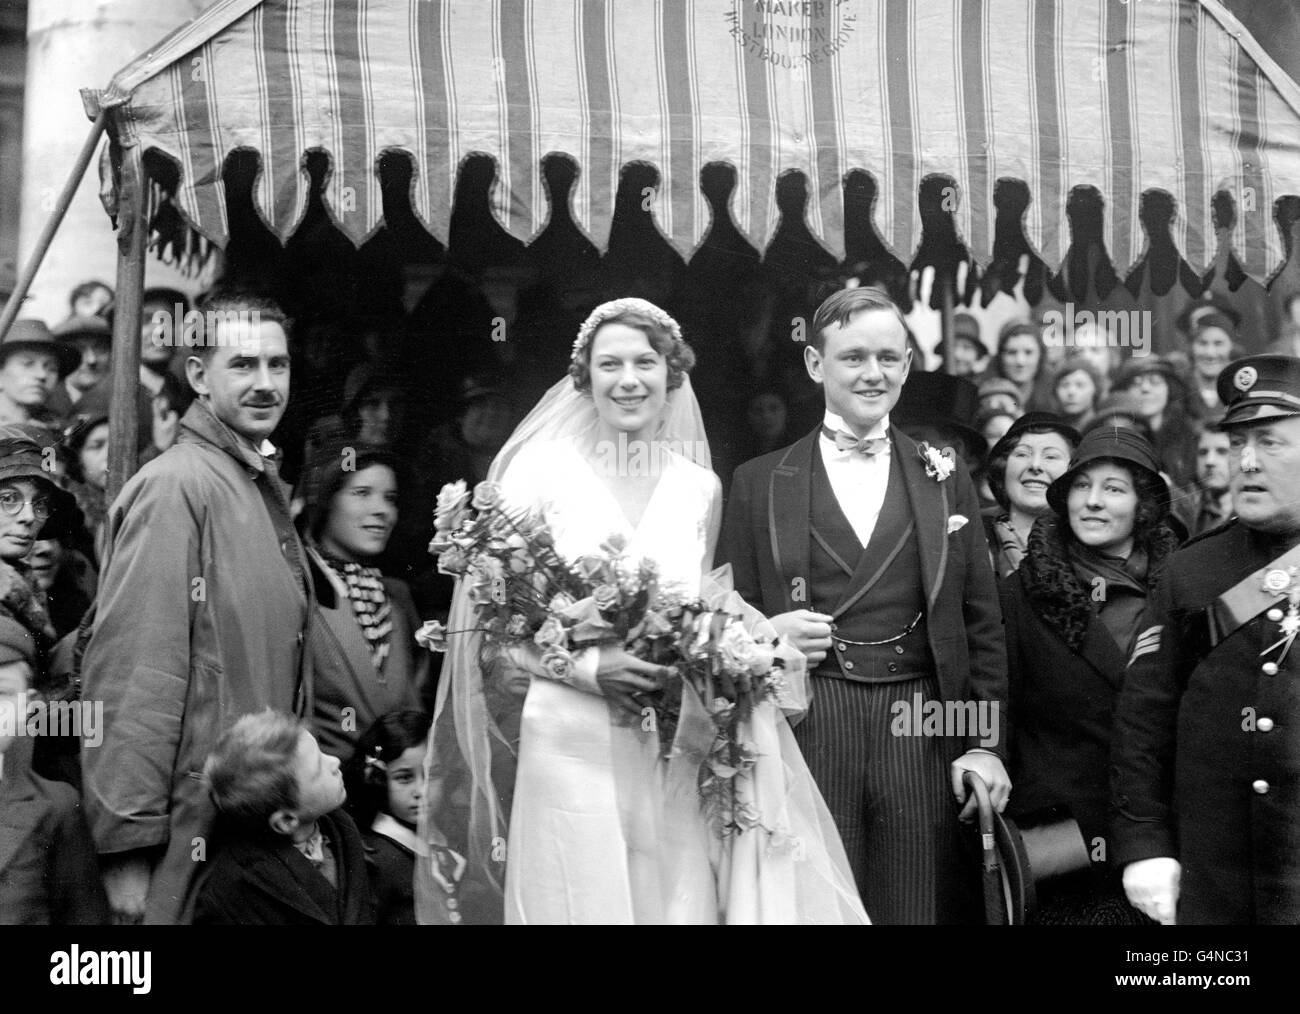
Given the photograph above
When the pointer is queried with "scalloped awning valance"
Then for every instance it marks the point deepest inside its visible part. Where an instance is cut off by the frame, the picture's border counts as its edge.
(1126, 97)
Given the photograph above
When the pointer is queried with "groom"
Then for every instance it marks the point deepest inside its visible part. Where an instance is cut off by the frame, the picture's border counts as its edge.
(869, 556)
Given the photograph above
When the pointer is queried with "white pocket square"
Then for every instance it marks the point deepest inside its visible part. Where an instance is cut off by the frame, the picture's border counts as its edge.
(956, 523)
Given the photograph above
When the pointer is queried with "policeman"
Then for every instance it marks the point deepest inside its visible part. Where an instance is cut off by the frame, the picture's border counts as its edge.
(1206, 753)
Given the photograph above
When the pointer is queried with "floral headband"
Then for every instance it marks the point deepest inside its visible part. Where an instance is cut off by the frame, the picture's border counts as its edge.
(615, 307)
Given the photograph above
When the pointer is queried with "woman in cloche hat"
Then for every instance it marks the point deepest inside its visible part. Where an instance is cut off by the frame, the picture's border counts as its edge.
(1071, 615)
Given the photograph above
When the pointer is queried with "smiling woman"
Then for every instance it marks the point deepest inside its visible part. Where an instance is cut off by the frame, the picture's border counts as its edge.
(1033, 453)
(1071, 614)
(364, 656)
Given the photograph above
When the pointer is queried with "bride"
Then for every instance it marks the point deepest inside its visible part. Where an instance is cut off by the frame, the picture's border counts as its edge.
(548, 800)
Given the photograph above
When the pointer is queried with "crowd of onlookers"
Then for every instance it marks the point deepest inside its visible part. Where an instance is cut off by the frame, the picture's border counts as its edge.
(1017, 405)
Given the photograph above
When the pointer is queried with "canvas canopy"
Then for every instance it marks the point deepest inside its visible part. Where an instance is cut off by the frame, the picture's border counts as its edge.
(1124, 96)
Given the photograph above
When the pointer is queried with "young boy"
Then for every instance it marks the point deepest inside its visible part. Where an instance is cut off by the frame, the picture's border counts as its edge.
(48, 871)
(286, 854)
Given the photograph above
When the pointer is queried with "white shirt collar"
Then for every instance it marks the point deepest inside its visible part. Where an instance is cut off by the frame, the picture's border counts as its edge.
(393, 829)
(834, 422)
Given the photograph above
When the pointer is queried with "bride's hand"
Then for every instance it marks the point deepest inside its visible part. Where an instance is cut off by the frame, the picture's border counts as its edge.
(621, 676)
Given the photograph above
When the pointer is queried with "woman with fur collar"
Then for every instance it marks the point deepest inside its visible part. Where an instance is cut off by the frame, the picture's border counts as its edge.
(1072, 613)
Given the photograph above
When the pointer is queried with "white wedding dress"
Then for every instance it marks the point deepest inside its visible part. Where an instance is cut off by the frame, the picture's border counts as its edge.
(602, 831)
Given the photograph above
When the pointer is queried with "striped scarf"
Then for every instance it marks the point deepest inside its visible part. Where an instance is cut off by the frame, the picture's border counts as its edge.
(1010, 548)
(370, 604)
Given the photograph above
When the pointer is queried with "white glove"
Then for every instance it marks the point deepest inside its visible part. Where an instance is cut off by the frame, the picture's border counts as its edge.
(1152, 887)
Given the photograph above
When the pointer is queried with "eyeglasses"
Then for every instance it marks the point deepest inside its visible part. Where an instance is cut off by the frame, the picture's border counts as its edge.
(12, 503)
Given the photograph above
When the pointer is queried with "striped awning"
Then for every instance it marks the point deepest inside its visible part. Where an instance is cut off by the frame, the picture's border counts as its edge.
(1123, 96)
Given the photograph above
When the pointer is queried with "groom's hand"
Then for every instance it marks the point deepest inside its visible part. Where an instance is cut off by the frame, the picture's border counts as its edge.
(989, 767)
(808, 631)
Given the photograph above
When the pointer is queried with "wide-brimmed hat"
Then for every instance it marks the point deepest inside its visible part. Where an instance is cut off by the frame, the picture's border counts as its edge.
(967, 327)
(1139, 366)
(1199, 313)
(1032, 420)
(1117, 403)
(1000, 385)
(29, 335)
(367, 377)
(481, 386)
(83, 326)
(943, 399)
(21, 457)
(1110, 443)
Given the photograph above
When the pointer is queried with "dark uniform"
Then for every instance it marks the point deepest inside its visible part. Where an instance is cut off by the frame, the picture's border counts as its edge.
(1206, 750)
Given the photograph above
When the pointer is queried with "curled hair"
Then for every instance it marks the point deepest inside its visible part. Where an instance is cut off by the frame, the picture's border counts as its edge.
(1152, 504)
(250, 775)
(841, 307)
(996, 469)
(679, 355)
(365, 776)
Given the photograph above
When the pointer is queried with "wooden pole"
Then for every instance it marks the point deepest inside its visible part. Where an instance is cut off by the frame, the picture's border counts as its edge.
(132, 234)
(947, 285)
(52, 224)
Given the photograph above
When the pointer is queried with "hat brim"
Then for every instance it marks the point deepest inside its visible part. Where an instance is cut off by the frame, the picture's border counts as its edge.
(1007, 442)
(62, 503)
(1256, 412)
(68, 357)
(1058, 493)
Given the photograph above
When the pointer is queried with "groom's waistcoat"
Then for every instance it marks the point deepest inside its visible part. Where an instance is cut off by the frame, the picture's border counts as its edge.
(890, 563)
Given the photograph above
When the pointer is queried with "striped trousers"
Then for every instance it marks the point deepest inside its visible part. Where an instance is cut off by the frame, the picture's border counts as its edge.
(891, 799)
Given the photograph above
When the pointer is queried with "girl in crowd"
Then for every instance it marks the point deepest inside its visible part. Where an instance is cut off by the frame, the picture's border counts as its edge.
(1022, 359)
(385, 783)
(1034, 452)
(1076, 387)
(1212, 349)
(1161, 393)
(364, 656)
(1071, 613)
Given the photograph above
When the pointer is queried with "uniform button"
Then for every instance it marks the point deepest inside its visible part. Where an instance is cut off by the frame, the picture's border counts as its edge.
(300, 637)
(842, 646)
(1274, 615)
(1270, 668)
(1264, 725)
(454, 916)
(893, 667)
(453, 904)
(898, 649)
(848, 665)
(1260, 786)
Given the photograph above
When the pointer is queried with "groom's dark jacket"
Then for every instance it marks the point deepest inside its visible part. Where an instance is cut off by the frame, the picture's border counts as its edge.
(767, 538)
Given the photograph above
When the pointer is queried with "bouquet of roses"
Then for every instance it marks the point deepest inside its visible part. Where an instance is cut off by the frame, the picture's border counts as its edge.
(524, 591)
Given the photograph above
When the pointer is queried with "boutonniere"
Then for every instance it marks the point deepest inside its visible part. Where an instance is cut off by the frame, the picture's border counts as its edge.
(939, 464)
(957, 522)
